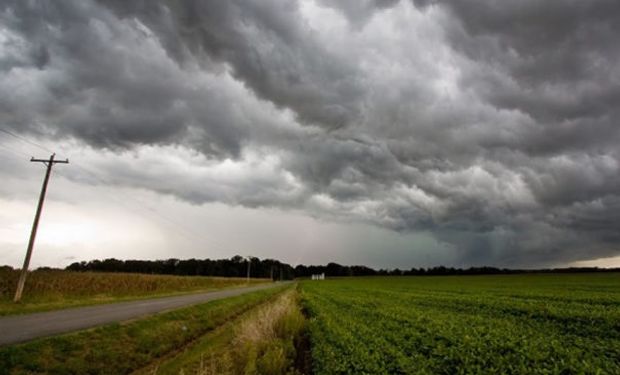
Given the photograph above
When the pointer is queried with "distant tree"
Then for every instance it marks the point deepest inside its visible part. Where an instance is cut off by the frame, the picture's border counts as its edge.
(396, 272)
(236, 267)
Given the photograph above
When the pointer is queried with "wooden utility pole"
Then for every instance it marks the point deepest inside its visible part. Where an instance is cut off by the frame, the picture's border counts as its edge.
(22, 277)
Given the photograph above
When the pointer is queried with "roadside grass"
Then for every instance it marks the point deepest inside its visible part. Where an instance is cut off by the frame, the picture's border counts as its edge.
(263, 340)
(122, 348)
(56, 289)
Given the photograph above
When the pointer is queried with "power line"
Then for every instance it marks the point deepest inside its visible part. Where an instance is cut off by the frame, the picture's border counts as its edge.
(181, 228)
(15, 152)
(26, 140)
(149, 210)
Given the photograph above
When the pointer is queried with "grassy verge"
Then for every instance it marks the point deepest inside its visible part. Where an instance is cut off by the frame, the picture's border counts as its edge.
(264, 340)
(50, 290)
(122, 348)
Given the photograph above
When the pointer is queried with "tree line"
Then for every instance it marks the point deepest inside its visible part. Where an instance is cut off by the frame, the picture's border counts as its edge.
(276, 270)
(234, 267)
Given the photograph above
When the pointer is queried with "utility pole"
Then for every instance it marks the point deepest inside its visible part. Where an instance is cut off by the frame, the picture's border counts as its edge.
(249, 262)
(22, 277)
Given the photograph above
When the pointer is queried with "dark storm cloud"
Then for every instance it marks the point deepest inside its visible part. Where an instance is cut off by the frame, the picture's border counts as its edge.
(358, 11)
(553, 60)
(268, 47)
(109, 82)
(492, 125)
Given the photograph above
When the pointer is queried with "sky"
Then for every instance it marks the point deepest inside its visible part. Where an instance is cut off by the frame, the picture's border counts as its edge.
(386, 133)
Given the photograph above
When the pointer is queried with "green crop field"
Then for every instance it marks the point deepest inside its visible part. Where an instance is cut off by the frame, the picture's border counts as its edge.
(508, 324)
(546, 324)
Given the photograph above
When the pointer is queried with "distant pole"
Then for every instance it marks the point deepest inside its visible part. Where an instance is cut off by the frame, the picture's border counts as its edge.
(248, 277)
(24, 272)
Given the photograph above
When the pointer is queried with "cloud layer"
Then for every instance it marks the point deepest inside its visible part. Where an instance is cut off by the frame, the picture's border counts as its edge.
(492, 126)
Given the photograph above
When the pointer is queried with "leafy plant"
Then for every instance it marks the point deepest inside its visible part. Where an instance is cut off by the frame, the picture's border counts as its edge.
(545, 324)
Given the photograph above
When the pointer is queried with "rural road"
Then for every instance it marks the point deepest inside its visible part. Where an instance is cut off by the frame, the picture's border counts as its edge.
(20, 328)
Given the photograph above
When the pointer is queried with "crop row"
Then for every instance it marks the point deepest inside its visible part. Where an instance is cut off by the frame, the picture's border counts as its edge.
(452, 325)
(50, 285)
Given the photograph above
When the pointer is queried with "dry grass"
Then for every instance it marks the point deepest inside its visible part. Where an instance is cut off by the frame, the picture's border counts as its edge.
(262, 342)
(265, 343)
(265, 324)
(52, 289)
(129, 346)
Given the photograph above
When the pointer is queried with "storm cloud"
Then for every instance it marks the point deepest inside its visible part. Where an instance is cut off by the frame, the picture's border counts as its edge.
(491, 126)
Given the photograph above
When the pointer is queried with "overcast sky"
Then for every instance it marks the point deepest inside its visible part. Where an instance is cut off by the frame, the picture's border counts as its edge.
(387, 133)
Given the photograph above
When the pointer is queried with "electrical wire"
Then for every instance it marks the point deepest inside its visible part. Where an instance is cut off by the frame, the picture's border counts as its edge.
(143, 206)
(26, 140)
(146, 209)
(15, 152)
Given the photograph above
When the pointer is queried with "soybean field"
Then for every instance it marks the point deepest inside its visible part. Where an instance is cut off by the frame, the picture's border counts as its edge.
(532, 323)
